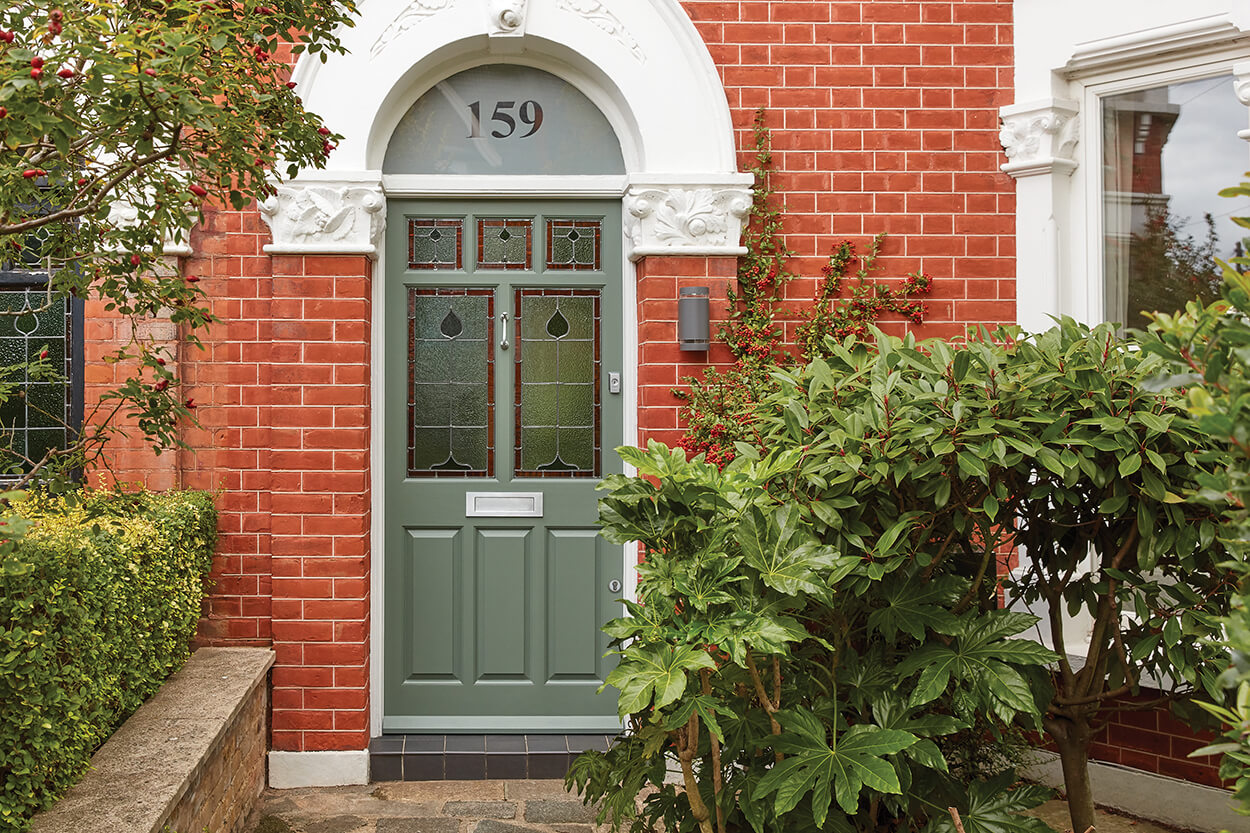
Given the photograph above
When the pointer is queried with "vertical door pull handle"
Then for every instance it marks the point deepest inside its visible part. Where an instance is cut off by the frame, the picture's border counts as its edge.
(503, 328)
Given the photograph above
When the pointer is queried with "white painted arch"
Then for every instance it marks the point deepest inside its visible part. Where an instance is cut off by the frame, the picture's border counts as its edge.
(641, 62)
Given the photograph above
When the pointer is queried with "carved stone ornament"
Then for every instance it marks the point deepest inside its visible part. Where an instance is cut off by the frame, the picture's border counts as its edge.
(325, 217)
(1040, 138)
(686, 221)
(596, 13)
(413, 13)
(507, 17)
(1241, 86)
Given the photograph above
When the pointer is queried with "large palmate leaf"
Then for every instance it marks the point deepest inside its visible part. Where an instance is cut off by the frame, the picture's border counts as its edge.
(980, 662)
(764, 632)
(994, 806)
(855, 760)
(655, 673)
(917, 605)
(786, 556)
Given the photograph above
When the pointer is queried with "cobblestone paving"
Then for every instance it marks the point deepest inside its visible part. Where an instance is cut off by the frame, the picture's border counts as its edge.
(425, 807)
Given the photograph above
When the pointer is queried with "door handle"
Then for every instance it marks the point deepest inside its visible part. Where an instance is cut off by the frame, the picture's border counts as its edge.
(503, 328)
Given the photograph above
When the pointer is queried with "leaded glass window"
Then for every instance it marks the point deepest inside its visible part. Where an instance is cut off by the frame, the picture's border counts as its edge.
(435, 243)
(43, 413)
(451, 373)
(558, 431)
(504, 244)
(573, 244)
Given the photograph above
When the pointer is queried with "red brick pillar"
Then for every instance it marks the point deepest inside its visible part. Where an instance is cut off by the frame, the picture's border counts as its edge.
(319, 412)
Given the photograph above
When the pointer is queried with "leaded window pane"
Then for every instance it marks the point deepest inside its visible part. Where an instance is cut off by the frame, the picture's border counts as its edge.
(504, 244)
(558, 429)
(435, 243)
(451, 373)
(573, 244)
(38, 416)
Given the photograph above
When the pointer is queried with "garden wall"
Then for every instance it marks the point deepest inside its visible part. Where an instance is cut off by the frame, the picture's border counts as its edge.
(191, 759)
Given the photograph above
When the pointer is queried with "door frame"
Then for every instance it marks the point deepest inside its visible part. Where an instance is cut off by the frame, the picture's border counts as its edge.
(452, 187)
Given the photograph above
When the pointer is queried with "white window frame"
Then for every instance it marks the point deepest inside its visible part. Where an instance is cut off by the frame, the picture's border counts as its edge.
(1054, 151)
(1090, 187)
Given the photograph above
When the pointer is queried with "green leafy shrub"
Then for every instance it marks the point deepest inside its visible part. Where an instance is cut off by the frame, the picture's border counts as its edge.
(842, 584)
(98, 604)
(1208, 351)
(814, 623)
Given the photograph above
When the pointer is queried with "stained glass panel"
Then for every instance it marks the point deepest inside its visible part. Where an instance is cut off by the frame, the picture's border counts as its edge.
(32, 320)
(435, 243)
(558, 431)
(504, 244)
(573, 244)
(451, 380)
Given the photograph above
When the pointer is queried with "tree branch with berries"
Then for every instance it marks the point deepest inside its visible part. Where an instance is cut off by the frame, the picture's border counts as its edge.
(121, 121)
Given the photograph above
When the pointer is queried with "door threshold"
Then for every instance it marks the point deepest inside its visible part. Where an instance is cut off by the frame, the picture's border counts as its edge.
(426, 757)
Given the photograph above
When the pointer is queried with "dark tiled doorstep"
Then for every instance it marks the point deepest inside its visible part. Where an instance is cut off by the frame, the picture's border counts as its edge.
(475, 757)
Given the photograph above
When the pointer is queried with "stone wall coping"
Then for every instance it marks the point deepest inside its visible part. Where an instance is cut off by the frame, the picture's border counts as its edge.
(138, 776)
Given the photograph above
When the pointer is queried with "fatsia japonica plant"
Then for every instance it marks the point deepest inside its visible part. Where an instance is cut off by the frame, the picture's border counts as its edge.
(816, 622)
(120, 121)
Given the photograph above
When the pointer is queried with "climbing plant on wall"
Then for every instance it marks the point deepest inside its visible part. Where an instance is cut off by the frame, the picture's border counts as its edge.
(720, 404)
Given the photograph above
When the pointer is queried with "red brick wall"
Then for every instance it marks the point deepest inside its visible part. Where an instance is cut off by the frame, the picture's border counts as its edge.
(885, 118)
(1155, 741)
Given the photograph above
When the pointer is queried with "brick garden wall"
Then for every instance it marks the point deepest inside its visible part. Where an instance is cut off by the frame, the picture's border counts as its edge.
(884, 119)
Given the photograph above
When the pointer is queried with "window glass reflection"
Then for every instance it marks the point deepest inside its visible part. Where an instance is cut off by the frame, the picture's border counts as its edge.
(1167, 152)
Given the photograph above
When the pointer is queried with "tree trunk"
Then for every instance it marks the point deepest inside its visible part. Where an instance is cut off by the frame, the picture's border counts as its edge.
(1072, 737)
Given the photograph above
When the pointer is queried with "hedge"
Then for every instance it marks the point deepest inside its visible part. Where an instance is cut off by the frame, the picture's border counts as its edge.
(98, 604)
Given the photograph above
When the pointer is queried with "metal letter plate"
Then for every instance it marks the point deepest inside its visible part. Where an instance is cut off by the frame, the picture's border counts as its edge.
(503, 505)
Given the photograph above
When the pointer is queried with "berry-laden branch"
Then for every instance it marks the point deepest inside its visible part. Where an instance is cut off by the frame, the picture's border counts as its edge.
(720, 410)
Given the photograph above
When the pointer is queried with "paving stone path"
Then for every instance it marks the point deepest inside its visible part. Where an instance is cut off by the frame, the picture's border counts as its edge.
(425, 807)
(489, 807)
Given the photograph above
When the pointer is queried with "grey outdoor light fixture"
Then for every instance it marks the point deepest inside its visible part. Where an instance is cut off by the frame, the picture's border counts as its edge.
(693, 327)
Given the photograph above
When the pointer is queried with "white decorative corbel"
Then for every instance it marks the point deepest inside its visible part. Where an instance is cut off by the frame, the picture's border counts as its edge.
(326, 217)
(1241, 86)
(1040, 137)
(704, 220)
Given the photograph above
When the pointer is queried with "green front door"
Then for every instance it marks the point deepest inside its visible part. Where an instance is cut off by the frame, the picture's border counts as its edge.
(502, 409)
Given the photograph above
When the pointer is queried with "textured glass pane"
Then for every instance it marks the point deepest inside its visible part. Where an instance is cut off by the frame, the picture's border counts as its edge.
(451, 405)
(435, 243)
(1167, 151)
(558, 377)
(504, 244)
(30, 322)
(573, 244)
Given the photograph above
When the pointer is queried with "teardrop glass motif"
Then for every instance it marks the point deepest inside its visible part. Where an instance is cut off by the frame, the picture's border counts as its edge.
(452, 326)
(557, 325)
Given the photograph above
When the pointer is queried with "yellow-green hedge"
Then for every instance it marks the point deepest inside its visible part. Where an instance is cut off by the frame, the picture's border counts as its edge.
(98, 604)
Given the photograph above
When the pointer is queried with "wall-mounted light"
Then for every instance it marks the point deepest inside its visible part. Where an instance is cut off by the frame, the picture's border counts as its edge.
(693, 318)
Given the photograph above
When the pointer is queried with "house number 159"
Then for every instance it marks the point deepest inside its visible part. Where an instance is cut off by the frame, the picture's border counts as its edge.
(530, 115)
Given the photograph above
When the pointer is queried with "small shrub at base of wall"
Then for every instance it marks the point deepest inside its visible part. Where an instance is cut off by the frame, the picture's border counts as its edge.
(98, 605)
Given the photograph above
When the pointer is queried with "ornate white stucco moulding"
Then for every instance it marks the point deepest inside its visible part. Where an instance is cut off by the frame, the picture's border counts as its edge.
(327, 216)
(1241, 86)
(702, 219)
(1040, 137)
